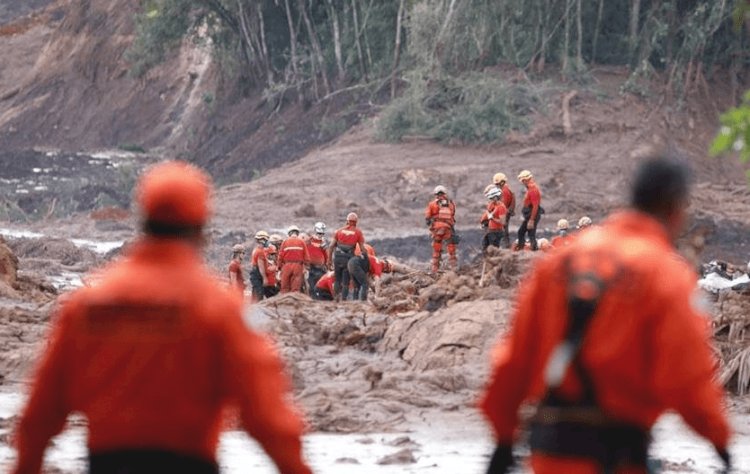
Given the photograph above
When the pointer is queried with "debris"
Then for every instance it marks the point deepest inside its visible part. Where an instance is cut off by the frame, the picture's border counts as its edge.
(404, 456)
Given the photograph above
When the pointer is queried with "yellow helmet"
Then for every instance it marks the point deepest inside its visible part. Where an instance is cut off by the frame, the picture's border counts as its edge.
(261, 235)
(563, 224)
(524, 175)
(499, 178)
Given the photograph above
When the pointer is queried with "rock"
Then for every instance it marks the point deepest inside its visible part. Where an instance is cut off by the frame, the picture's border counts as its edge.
(8, 265)
(404, 456)
(347, 461)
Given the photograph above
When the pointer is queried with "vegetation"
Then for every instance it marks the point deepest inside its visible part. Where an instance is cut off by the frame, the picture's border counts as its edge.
(311, 49)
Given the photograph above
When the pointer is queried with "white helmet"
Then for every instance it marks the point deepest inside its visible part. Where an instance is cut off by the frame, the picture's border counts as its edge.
(493, 193)
(563, 224)
(261, 235)
(524, 175)
(292, 228)
(238, 248)
(499, 178)
(440, 189)
(584, 221)
(320, 228)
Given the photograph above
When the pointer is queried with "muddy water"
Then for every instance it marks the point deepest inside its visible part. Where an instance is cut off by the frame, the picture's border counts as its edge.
(444, 443)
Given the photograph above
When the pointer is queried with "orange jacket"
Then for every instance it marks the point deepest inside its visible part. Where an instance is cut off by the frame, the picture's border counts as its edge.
(259, 253)
(497, 211)
(236, 279)
(509, 199)
(532, 199)
(348, 236)
(561, 240)
(317, 251)
(646, 348)
(441, 216)
(293, 250)
(326, 282)
(152, 355)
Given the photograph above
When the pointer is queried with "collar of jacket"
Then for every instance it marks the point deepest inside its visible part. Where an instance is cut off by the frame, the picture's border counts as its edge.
(165, 249)
(639, 223)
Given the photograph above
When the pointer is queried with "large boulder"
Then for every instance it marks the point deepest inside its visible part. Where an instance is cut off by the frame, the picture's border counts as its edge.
(8, 265)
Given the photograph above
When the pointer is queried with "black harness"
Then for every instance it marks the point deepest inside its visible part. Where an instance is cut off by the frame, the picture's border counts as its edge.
(579, 428)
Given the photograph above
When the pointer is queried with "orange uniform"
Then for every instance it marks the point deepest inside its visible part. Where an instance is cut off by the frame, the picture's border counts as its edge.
(645, 350)
(440, 215)
(346, 241)
(494, 216)
(509, 199)
(293, 256)
(258, 267)
(152, 355)
(236, 279)
(317, 251)
(532, 200)
(561, 240)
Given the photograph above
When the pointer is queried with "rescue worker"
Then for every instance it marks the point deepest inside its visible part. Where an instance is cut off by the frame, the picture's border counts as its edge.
(272, 285)
(509, 199)
(323, 290)
(605, 341)
(493, 219)
(361, 269)
(317, 249)
(562, 238)
(342, 248)
(293, 258)
(544, 245)
(440, 217)
(258, 265)
(236, 279)
(532, 210)
(584, 222)
(156, 351)
(276, 240)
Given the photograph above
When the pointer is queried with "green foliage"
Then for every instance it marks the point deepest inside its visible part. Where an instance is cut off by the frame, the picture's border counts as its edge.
(467, 109)
(131, 147)
(735, 131)
(159, 28)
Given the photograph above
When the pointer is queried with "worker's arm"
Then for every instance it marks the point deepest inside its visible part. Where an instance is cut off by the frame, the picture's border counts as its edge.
(255, 379)
(361, 243)
(329, 251)
(262, 267)
(46, 410)
(511, 379)
(428, 213)
(683, 367)
(535, 200)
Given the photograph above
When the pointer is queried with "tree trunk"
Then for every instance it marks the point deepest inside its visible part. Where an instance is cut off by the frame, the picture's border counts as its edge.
(597, 29)
(397, 48)
(357, 42)
(318, 51)
(566, 43)
(579, 42)
(293, 49)
(336, 40)
(264, 45)
(635, 14)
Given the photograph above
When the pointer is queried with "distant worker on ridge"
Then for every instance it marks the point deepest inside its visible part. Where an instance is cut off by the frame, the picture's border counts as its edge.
(563, 237)
(155, 353)
(341, 250)
(293, 258)
(532, 210)
(584, 222)
(604, 342)
(440, 217)
(509, 199)
(236, 278)
(271, 287)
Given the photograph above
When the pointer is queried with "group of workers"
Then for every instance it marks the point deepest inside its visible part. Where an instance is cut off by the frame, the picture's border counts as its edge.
(335, 270)
(602, 341)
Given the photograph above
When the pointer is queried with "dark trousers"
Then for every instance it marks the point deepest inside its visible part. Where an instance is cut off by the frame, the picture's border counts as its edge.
(269, 291)
(523, 230)
(256, 282)
(341, 274)
(493, 237)
(148, 461)
(359, 267)
(313, 275)
(506, 231)
(321, 295)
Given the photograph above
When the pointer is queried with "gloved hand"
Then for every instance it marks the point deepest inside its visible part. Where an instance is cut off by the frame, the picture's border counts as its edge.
(485, 224)
(724, 455)
(502, 459)
(428, 221)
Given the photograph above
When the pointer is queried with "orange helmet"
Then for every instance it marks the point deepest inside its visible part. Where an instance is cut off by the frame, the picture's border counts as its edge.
(175, 192)
(352, 217)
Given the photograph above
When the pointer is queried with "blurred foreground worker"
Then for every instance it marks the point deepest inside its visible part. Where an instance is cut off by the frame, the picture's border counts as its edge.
(440, 217)
(605, 342)
(509, 199)
(562, 238)
(151, 365)
(493, 219)
(317, 249)
(584, 222)
(258, 264)
(342, 248)
(323, 290)
(272, 284)
(236, 279)
(531, 212)
(362, 268)
(293, 258)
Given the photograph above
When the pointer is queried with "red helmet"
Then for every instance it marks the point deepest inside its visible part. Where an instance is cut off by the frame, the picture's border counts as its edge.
(352, 217)
(175, 192)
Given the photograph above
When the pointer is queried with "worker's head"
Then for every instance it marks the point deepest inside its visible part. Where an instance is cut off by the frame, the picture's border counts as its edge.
(174, 199)
(320, 229)
(563, 224)
(261, 236)
(292, 230)
(544, 245)
(238, 250)
(661, 188)
(584, 222)
(276, 240)
(525, 177)
(494, 194)
(440, 191)
(499, 179)
(271, 250)
(352, 218)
